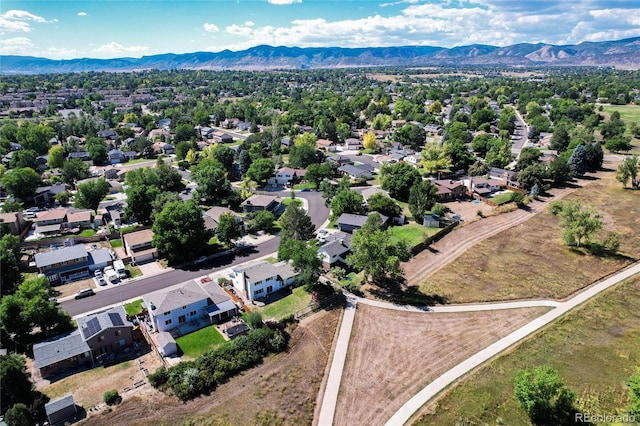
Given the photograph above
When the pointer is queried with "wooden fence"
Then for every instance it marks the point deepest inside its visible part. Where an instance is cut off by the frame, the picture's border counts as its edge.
(433, 238)
(330, 300)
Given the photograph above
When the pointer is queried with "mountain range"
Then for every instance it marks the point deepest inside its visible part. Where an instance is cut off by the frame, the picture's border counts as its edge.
(620, 54)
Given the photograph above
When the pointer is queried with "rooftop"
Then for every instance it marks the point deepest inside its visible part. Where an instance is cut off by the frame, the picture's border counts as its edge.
(64, 254)
(166, 300)
(139, 237)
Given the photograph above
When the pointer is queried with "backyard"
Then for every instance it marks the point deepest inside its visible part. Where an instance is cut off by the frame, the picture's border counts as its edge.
(601, 336)
(412, 233)
(195, 344)
(289, 305)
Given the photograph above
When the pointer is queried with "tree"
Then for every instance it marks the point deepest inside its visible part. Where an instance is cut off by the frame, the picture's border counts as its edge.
(460, 156)
(595, 156)
(213, 185)
(560, 139)
(559, 171)
(224, 155)
(317, 172)
(228, 229)
(296, 224)
(261, 170)
(398, 179)
(422, 197)
(9, 264)
(184, 132)
(478, 169)
(161, 199)
(24, 158)
(179, 232)
(74, 170)
(21, 183)
(369, 142)
(410, 135)
(375, 253)
(181, 150)
(612, 128)
(18, 415)
(499, 155)
(528, 157)
(482, 143)
(544, 397)
(532, 175)
(262, 221)
(634, 393)
(90, 194)
(307, 263)
(382, 204)
(15, 385)
(346, 201)
(618, 143)
(578, 161)
(578, 223)
(628, 171)
(434, 159)
(111, 397)
(56, 157)
(35, 136)
(303, 155)
(97, 149)
(244, 161)
(140, 200)
(166, 177)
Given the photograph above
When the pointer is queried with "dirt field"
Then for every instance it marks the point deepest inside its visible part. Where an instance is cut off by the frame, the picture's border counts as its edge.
(282, 391)
(394, 354)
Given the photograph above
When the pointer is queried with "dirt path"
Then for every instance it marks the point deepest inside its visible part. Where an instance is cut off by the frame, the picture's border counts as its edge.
(460, 240)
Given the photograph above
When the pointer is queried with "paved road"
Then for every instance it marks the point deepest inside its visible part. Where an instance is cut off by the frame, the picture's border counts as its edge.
(317, 211)
(404, 414)
(522, 131)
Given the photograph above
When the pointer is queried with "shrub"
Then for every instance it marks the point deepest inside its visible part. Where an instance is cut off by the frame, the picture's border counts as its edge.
(111, 397)
(159, 378)
(254, 319)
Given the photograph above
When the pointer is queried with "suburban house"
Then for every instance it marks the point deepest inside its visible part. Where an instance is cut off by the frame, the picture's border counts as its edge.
(221, 137)
(509, 176)
(14, 221)
(55, 221)
(325, 145)
(212, 217)
(433, 129)
(98, 337)
(335, 249)
(257, 203)
(79, 218)
(355, 172)
(163, 148)
(138, 246)
(260, 279)
(414, 159)
(287, 176)
(350, 144)
(117, 156)
(369, 192)
(340, 160)
(348, 222)
(108, 134)
(483, 186)
(71, 263)
(449, 189)
(45, 195)
(188, 307)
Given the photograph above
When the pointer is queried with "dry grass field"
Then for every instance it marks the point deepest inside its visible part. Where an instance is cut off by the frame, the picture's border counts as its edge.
(281, 391)
(393, 354)
(530, 260)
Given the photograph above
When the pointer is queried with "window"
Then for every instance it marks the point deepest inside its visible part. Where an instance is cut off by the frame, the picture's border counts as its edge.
(101, 339)
(192, 313)
(167, 322)
(258, 282)
(182, 319)
(167, 313)
(118, 332)
(184, 307)
(258, 291)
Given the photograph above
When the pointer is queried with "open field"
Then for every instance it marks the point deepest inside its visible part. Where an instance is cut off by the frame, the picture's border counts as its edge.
(594, 349)
(281, 391)
(530, 260)
(393, 354)
(628, 114)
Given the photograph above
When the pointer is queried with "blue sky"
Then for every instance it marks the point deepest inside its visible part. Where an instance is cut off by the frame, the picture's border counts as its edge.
(64, 29)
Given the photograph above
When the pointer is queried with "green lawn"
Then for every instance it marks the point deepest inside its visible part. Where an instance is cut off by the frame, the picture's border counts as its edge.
(137, 161)
(289, 200)
(502, 198)
(195, 344)
(130, 228)
(305, 185)
(412, 233)
(88, 233)
(286, 306)
(594, 349)
(271, 259)
(134, 271)
(628, 113)
(116, 243)
(134, 307)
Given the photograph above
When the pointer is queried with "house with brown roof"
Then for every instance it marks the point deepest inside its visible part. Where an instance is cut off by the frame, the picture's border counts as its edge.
(257, 203)
(450, 189)
(14, 221)
(212, 217)
(79, 218)
(138, 245)
(221, 137)
(287, 176)
(326, 145)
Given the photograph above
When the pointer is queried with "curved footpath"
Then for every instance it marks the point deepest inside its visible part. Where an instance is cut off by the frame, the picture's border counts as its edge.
(404, 414)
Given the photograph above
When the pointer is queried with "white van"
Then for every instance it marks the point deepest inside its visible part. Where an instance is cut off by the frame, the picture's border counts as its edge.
(118, 266)
(111, 275)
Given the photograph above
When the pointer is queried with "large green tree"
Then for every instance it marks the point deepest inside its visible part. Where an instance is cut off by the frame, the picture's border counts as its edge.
(140, 200)
(15, 385)
(628, 171)
(422, 198)
(97, 149)
(544, 397)
(578, 223)
(90, 194)
(634, 393)
(24, 158)
(73, 170)
(398, 179)
(21, 183)
(346, 201)
(213, 185)
(179, 232)
(56, 157)
(382, 204)
(296, 224)
(261, 170)
(228, 229)
(9, 264)
(375, 252)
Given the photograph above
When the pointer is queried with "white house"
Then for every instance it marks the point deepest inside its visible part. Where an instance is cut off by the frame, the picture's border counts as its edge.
(287, 175)
(260, 279)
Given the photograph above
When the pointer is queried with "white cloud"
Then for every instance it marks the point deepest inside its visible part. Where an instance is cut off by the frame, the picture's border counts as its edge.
(238, 30)
(116, 49)
(18, 20)
(16, 46)
(82, 13)
(284, 2)
(60, 53)
(249, 24)
(211, 28)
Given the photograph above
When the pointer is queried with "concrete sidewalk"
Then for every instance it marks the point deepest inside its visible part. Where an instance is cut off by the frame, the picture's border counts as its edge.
(330, 399)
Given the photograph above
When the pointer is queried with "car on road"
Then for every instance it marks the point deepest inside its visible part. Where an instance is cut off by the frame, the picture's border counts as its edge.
(306, 190)
(200, 259)
(85, 292)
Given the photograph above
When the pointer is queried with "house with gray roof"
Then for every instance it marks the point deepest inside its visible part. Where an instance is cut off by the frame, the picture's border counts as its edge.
(258, 280)
(70, 263)
(188, 307)
(97, 338)
(257, 203)
(348, 222)
(335, 249)
(355, 172)
(61, 409)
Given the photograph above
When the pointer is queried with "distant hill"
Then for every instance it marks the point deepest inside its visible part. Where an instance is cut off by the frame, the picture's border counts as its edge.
(621, 53)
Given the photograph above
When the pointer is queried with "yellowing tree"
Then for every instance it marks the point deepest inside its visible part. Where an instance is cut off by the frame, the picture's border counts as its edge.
(369, 141)
(308, 139)
(190, 157)
(435, 108)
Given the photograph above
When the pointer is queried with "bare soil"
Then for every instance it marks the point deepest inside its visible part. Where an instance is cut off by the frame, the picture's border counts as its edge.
(281, 391)
(394, 354)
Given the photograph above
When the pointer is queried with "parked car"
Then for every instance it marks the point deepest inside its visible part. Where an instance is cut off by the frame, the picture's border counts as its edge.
(100, 280)
(85, 292)
(97, 273)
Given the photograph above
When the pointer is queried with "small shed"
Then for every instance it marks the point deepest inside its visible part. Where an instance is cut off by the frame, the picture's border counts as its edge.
(166, 344)
(61, 409)
(431, 221)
